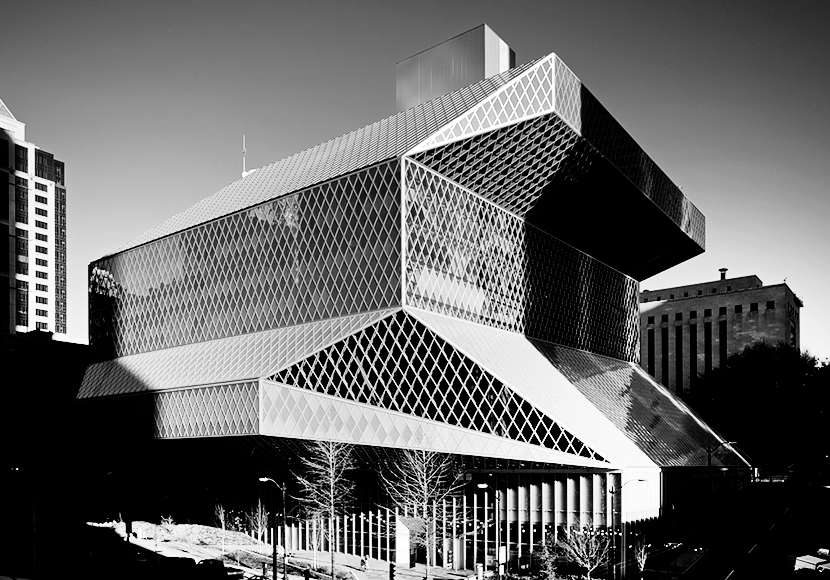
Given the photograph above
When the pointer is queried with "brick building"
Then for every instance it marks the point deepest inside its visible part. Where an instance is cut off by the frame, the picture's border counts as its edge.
(703, 324)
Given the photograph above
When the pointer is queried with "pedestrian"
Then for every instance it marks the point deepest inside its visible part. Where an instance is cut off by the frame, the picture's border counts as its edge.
(364, 562)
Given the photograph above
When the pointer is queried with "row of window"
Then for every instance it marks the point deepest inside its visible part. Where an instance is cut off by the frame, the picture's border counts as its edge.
(40, 186)
(699, 293)
(707, 312)
(41, 199)
(22, 268)
(678, 354)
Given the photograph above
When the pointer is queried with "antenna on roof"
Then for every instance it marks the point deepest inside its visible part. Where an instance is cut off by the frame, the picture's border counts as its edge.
(244, 151)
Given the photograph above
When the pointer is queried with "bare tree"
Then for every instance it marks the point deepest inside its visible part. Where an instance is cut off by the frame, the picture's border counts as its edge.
(221, 515)
(641, 550)
(324, 488)
(587, 547)
(417, 482)
(258, 520)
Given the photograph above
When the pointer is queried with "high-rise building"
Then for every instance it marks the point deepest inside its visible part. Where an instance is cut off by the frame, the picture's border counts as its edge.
(440, 280)
(686, 331)
(33, 222)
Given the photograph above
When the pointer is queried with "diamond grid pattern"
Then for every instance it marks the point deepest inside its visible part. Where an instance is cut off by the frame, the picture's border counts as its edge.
(202, 412)
(528, 95)
(223, 360)
(665, 429)
(299, 413)
(401, 365)
(469, 259)
(568, 100)
(374, 143)
(509, 166)
(329, 251)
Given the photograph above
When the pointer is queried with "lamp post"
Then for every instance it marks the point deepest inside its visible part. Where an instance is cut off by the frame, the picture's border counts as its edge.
(614, 508)
(709, 451)
(274, 534)
(498, 526)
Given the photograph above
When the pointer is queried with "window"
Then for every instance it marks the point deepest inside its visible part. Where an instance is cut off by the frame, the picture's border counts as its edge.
(21, 233)
(770, 304)
(753, 307)
(722, 311)
(22, 285)
(651, 351)
(41, 262)
(664, 318)
(41, 211)
(43, 225)
(39, 312)
(41, 300)
(685, 295)
(40, 186)
(42, 237)
(714, 290)
(41, 250)
(678, 316)
(22, 268)
(722, 342)
(21, 161)
(43, 275)
(41, 199)
(659, 297)
(664, 352)
(651, 320)
(42, 326)
(707, 347)
(729, 288)
(699, 292)
(739, 308)
(693, 314)
(678, 359)
(707, 312)
(671, 296)
(42, 287)
(692, 354)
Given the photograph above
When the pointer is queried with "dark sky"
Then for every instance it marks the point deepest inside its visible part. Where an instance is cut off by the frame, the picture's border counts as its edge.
(146, 102)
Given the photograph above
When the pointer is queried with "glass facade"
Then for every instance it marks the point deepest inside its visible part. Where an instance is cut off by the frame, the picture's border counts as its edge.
(468, 258)
(327, 251)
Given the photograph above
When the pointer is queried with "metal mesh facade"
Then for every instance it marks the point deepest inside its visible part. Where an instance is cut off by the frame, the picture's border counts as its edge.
(328, 251)
(468, 258)
(220, 410)
(509, 166)
(399, 364)
(245, 356)
(407, 279)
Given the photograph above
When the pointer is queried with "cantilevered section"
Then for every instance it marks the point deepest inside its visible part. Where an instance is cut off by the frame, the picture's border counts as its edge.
(535, 128)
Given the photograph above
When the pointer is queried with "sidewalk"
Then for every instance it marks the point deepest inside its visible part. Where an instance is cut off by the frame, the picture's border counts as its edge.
(379, 569)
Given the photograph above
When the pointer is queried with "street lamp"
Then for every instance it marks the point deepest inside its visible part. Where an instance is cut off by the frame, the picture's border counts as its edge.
(274, 534)
(498, 526)
(614, 508)
(709, 451)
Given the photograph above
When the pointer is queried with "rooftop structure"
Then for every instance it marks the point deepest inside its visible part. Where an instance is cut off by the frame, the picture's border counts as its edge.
(451, 65)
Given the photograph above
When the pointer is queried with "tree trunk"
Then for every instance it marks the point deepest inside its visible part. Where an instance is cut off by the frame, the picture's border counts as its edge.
(331, 543)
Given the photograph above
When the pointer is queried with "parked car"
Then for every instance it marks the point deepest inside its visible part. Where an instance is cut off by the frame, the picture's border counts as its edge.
(210, 570)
